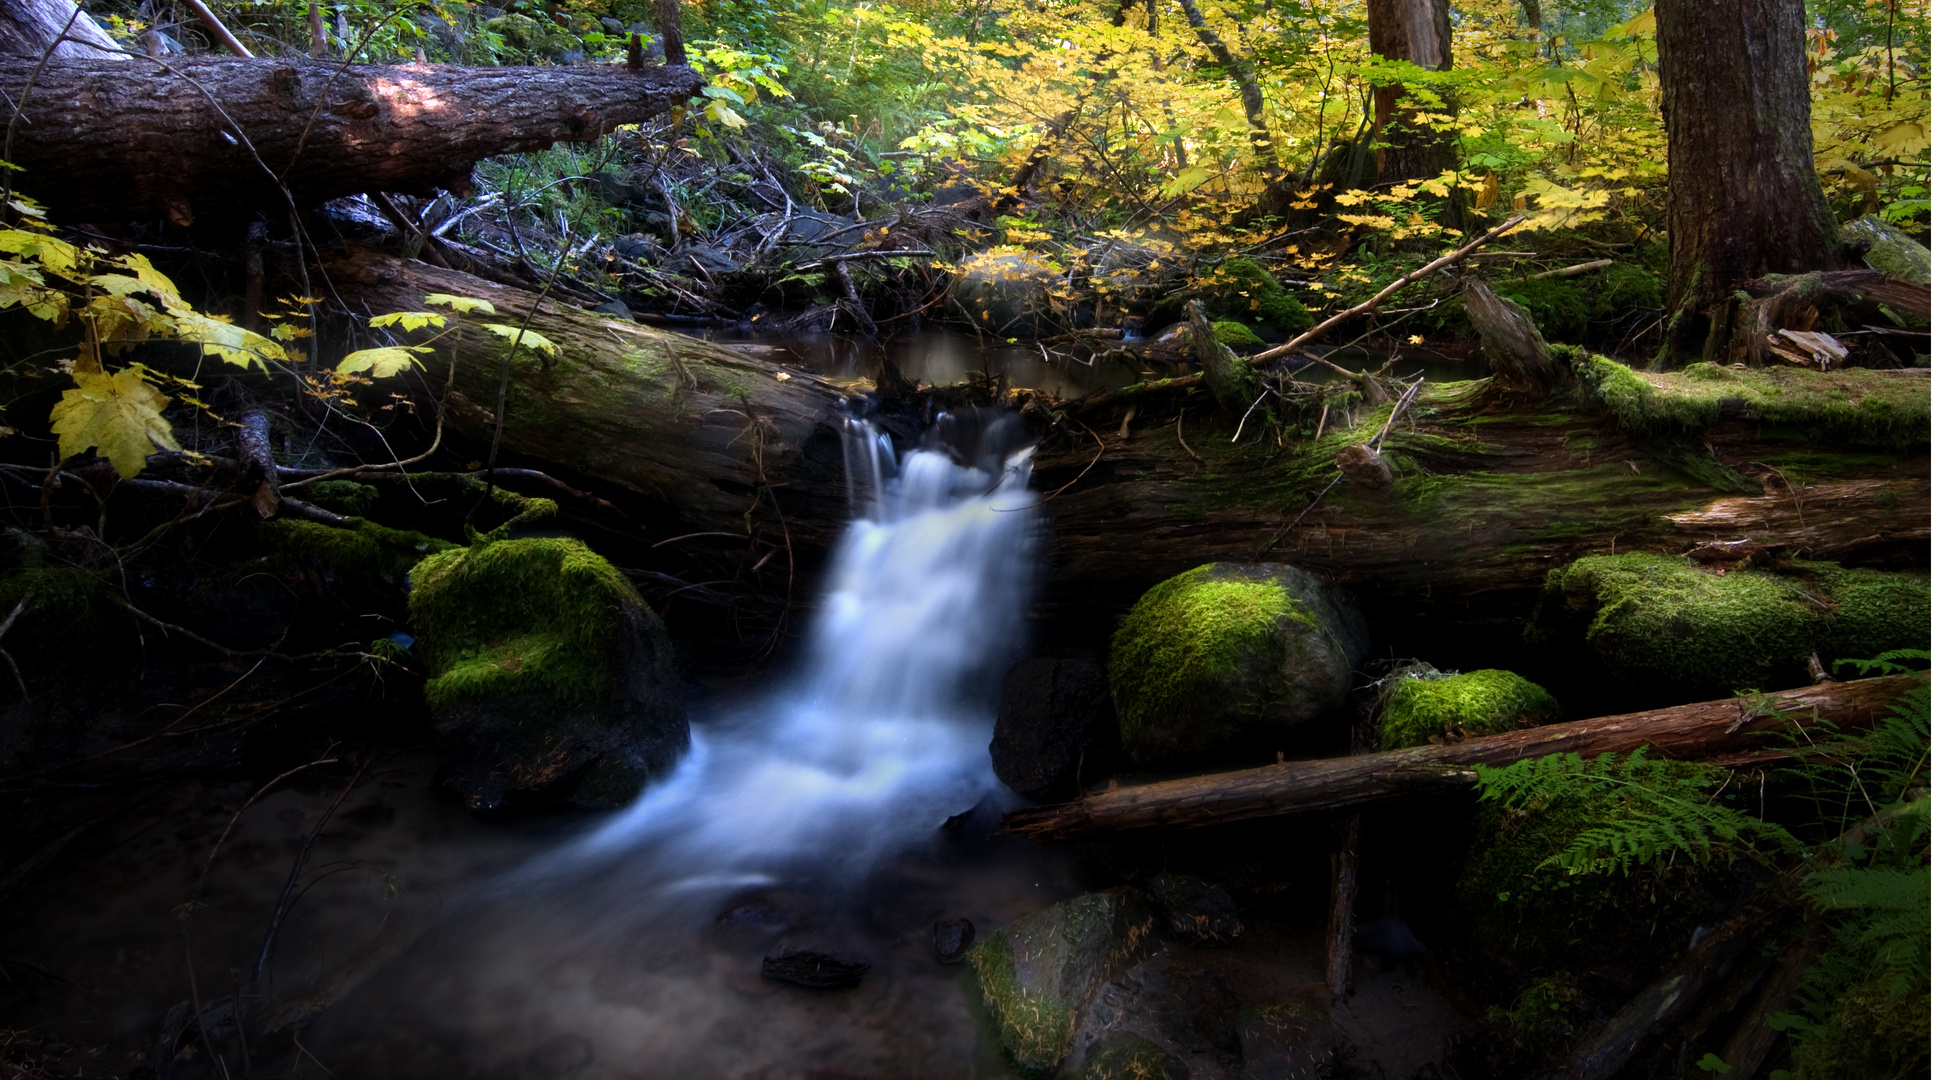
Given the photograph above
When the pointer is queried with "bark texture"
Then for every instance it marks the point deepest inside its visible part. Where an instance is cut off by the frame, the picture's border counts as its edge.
(709, 436)
(1418, 31)
(1743, 198)
(27, 27)
(150, 137)
(1705, 730)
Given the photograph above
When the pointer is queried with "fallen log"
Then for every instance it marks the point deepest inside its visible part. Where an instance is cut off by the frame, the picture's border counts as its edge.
(201, 135)
(713, 439)
(1703, 730)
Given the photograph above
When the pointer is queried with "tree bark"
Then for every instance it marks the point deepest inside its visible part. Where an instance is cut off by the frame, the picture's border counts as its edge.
(1417, 31)
(1245, 79)
(1705, 730)
(28, 27)
(710, 437)
(1521, 362)
(220, 135)
(1743, 199)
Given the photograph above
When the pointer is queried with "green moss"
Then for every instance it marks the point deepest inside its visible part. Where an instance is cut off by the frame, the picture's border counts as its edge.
(1474, 703)
(363, 548)
(1185, 634)
(1235, 335)
(537, 615)
(1874, 1034)
(1033, 1027)
(1238, 289)
(1856, 406)
(343, 496)
(1557, 305)
(1662, 619)
(67, 610)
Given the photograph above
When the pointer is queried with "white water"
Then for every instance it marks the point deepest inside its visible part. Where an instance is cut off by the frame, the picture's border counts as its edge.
(883, 733)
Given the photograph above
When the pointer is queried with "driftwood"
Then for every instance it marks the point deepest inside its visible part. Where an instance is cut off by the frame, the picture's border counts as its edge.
(217, 135)
(1705, 730)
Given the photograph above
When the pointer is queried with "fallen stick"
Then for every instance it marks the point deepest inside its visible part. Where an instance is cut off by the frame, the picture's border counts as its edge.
(1706, 729)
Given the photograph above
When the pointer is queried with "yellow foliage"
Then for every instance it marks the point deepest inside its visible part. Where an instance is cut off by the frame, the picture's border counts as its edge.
(119, 415)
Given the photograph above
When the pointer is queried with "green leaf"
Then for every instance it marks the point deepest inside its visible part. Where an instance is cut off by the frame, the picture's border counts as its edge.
(408, 320)
(464, 304)
(524, 338)
(726, 92)
(1712, 1064)
(381, 363)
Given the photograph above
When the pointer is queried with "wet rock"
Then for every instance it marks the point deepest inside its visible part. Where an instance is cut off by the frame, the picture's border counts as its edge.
(1038, 974)
(714, 260)
(1289, 1041)
(815, 969)
(614, 307)
(951, 937)
(1174, 1002)
(1196, 911)
(548, 674)
(1419, 702)
(1390, 942)
(1125, 1056)
(1056, 727)
(1229, 653)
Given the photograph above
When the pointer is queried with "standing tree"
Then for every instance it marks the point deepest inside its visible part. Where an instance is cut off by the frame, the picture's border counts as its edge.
(1419, 32)
(1744, 199)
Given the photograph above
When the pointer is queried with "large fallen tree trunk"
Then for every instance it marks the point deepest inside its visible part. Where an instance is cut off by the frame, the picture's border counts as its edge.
(715, 440)
(186, 136)
(1736, 729)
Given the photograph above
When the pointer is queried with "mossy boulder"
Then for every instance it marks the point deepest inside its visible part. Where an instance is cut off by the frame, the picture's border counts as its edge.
(1038, 973)
(549, 674)
(1875, 1033)
(1235, 335)
(1227, 653)
(363, 547)
(1663, 621)
(1427, 702)
(1286, 1041)
(532, 39)
(1126, 1056)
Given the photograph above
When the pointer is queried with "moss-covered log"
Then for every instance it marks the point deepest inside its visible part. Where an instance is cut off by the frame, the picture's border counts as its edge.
(1490, 493)
(711, 438)
(1735, 728)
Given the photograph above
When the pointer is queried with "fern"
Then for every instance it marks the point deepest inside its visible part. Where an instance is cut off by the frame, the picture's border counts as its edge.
(1649, 811)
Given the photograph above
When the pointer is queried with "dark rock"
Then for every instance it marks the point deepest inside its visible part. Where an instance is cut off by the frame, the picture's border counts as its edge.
(635, 246)
(1392, 944)
(1195, 911)
(611, 25)
(1126, 1056)
(819, 970)
(1056, 727)
(951, 937)
(1289, 1041)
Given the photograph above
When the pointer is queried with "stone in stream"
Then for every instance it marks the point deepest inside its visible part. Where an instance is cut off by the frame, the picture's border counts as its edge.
(951, 937)
(1056, 727)
(549, 674)
(1038, 973)
(814, 969)
(1227, 653)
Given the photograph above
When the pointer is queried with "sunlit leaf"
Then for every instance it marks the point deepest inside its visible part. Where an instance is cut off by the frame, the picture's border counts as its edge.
(219, 338)
(381, 363)
(119, 415)
(408, 320)
(463, 304)
(526, 338)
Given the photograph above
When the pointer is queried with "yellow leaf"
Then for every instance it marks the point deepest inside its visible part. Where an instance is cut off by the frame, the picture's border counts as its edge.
(118, 415)
(381, 363)
(464, 304)
(527, 339)
(155, 281)
(57, 255)
(238, 346)
(1902, 140)
(408, 320)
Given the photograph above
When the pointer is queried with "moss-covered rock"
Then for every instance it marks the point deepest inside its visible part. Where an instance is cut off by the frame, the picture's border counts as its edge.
(547, 670)
(1125, 1056)
(1874, 1034)
(1856, 406)
(1420, 704)
(65, 611)
(1888, 249)
(1235, 335)
(364, 547)
(1228, 651)
(1664, 621)
(1038, 973)
(1286, 1041)
(1239, 290)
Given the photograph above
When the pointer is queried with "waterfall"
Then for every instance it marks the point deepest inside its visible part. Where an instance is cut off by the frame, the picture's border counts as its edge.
(881, 735)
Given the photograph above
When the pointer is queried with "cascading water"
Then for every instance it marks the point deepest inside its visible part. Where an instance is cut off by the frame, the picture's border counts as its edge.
(811, 817)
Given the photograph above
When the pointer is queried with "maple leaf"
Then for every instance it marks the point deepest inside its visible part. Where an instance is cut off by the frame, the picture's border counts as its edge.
(528, 339)
(381, 363)
(235, 344)
(119, 415)
(465, 304)
(408, 320)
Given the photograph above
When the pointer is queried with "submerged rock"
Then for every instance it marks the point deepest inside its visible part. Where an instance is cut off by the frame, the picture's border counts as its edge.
(814, 969)
(548, 672)
(1056, 727)
(1662, 621)
(951, 937)
(1422, 702)
(1038, 973)
(1229, 651)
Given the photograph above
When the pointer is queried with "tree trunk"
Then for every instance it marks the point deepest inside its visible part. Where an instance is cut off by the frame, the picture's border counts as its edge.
(1743, 199)
(710, 437)
(1417, 31)
(1706, 730)
(211, 135)
(1245, 79)
(28, 27)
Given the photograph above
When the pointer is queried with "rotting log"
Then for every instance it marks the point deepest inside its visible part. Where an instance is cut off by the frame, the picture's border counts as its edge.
(1703, 730)
(206, 135)
(1490, 492)
(712, 438)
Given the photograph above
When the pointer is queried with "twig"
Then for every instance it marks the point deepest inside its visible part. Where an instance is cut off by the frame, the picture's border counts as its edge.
(216, 28)
(1402, 403)
(1290, 347)
(295, 875)
(1573, 271)
(1179, 417)
(1287, 529)
(853, 256)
